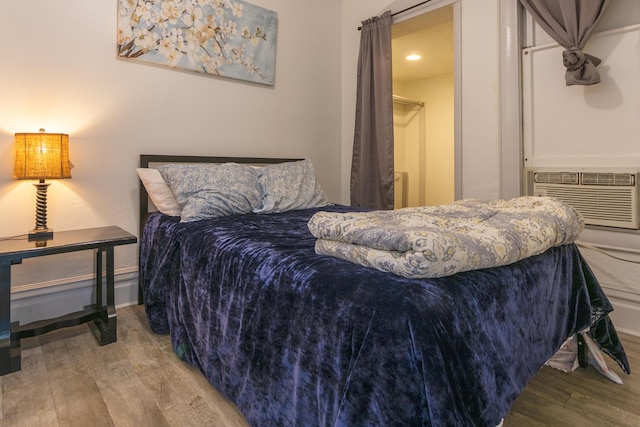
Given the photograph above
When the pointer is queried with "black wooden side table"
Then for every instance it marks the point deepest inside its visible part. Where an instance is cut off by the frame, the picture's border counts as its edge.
(13, 251)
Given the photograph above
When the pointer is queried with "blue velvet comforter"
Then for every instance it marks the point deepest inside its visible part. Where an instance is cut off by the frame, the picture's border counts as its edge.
(299, 339)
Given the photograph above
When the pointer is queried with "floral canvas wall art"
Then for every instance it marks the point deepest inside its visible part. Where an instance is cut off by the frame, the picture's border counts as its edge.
(222, 38)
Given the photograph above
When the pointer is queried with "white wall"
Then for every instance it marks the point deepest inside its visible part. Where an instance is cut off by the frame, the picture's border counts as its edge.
(409, 150)
(424, 139)
(59, 71)
(437, 94)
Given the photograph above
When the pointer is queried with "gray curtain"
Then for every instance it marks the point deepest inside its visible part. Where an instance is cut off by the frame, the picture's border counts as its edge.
(372, 163)
(570, 23)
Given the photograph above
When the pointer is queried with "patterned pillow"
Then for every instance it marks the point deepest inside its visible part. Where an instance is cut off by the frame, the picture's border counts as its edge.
(289, 186)
(210, 191)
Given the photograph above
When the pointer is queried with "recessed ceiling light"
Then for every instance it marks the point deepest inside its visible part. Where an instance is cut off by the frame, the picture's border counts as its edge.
(413, 57)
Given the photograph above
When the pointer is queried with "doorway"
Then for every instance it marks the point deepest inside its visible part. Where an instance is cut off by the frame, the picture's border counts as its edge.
(424, 109)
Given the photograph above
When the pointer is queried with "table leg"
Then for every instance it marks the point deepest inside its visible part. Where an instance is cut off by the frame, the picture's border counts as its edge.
(111, 298)
(105, 326)
(9, 354)
(99, 281)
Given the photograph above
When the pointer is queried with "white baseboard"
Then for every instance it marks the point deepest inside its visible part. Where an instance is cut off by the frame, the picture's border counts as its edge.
(52, 299)
(625, 317)
(626, 308)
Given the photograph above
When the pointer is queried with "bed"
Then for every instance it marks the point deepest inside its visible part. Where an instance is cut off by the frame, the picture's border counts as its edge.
(295, 338)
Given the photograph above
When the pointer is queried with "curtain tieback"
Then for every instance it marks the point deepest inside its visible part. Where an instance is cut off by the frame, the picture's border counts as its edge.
(581, 67)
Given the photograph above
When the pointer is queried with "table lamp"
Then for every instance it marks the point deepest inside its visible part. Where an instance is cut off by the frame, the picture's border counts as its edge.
(41, 156)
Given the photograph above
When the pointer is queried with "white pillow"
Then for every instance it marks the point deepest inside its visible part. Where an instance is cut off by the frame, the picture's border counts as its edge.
(159, 192)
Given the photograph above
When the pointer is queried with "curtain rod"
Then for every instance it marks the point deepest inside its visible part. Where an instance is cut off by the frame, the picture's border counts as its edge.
(404, 10)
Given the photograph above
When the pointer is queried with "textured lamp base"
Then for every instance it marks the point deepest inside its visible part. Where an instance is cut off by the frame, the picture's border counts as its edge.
(41, 232)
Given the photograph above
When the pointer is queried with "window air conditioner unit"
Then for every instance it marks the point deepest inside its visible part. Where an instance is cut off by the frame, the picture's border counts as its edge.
(603, 198)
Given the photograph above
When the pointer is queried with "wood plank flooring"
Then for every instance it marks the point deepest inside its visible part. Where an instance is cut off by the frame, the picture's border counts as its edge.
(68, 380)
(583, 397)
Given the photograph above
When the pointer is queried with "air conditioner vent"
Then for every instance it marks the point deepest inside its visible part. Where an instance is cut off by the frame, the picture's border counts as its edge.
(595, 178)
(609, 199)
(557, 177)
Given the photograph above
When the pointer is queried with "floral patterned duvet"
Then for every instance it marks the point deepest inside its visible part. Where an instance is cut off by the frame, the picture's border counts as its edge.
(437, 241)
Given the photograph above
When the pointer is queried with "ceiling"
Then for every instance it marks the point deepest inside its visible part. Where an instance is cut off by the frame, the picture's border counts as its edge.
(429, 35)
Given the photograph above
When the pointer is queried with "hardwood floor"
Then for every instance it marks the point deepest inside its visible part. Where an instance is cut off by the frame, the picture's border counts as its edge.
(68, 380)
(583, 397)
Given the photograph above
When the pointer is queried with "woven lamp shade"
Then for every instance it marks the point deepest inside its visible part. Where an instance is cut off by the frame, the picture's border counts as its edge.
(41, 156)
